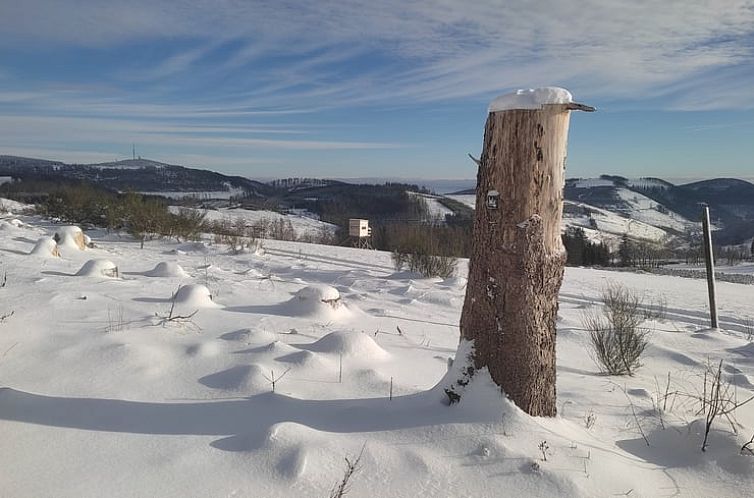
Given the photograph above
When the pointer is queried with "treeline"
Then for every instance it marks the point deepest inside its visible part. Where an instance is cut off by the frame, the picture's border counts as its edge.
(580, 251)
(631, 253)
(141, 216)
(377, 203)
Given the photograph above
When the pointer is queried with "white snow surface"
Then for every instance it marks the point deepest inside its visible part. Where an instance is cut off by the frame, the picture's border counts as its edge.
(99, 398)
(10, 206)
(531, 98)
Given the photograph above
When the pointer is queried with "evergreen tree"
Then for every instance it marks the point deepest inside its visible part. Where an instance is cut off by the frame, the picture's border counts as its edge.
(626, 251)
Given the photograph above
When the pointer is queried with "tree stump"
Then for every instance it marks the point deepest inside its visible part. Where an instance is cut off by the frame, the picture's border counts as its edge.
(517, 260)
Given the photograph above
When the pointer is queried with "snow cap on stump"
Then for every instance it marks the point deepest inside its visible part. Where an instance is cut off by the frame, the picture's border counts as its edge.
(99, 268)
(536, 98)
(320, 300)
(70, 236)
(194, 295)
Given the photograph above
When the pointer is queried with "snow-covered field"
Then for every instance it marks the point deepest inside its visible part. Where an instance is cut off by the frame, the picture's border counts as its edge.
(739, 269)
(102, 395)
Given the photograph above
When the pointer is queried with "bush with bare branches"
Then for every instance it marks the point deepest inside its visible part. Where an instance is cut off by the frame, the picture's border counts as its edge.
(615, 332)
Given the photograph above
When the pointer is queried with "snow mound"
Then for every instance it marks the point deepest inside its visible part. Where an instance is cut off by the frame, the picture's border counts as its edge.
(274, 347)
(70, 237)
(46, 247)
(190, 247)
(306, 359)
(318, 300)
(457, 282)
(250, 336)
(239, 378)
(207, 349)
(12, 207)
(532, 98)
(323, 293)
(99, 268)
(347, 343)
(167, 269)
(195, 296)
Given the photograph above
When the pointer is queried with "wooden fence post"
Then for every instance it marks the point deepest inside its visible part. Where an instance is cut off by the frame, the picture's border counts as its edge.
(517, 260)
(709, 261)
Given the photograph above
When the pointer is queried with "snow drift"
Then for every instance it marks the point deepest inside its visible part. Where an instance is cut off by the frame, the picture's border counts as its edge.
(194, 296)
(350, 344)
(167, 269)
(45, 247)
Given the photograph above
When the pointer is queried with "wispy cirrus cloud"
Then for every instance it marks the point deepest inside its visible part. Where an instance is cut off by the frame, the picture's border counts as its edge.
(431, 50)
(222, 65)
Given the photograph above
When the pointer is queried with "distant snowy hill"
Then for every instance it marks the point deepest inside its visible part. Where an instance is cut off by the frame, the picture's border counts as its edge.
(652, 208)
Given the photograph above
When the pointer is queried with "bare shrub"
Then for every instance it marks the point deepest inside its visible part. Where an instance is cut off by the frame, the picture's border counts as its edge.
(718, 400)
(115, 319)
(615, 332)
(748, 447)
(656, 309)
(544, 448)
(749, 328)
(165, 319)
(590, 419)
(429, 265)
(273, 380)
(400, 259)
(352, 466)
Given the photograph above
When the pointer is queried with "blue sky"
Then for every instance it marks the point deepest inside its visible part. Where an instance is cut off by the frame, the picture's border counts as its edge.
(375, 88)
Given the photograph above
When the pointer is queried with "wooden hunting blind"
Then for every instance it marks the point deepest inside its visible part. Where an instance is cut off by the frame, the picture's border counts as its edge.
(359, 228)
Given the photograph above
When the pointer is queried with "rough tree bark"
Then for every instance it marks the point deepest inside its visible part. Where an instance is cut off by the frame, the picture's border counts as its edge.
(517, 259)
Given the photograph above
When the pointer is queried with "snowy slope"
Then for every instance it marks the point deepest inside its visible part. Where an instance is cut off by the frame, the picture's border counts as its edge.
(101, 396)
(608, 224)
(8, 206)
(468, 199)
(642, 208)
(437, 211)
(302, 225)
(601, 224)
